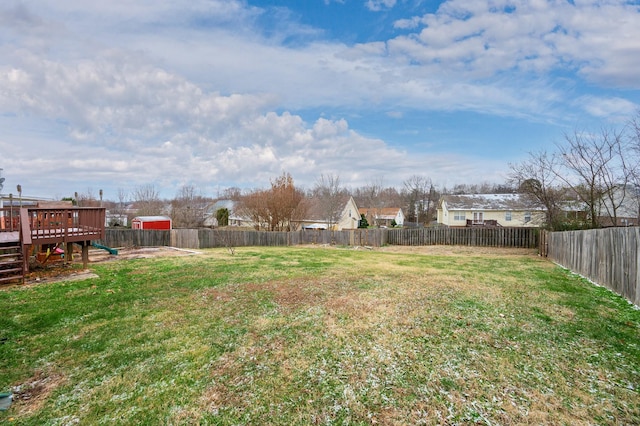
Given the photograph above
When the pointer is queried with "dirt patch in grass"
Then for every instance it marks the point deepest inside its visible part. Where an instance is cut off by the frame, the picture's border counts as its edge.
(139, 253)
(61, 271)
(301, 292)
(31, 395)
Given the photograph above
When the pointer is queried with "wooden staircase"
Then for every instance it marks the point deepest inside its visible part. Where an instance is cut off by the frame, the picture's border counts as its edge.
(11, 262)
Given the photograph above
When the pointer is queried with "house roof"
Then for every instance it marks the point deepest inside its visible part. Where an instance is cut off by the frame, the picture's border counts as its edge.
(382, 213)
(318, 210)
(496, 202)
(221, 204)
(151, 218)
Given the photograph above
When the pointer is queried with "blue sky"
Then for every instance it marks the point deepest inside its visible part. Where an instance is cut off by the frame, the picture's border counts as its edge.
(216, 93)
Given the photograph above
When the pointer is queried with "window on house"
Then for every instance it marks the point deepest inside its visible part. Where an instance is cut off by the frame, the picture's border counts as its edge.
(527, 217)
(459, 216)
(507, 216)
(478, 217)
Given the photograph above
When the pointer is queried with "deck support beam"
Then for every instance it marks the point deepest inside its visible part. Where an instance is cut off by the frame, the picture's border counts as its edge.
(68, 252)
(85, 254)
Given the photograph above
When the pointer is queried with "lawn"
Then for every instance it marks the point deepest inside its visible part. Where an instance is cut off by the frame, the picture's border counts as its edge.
(321, 336)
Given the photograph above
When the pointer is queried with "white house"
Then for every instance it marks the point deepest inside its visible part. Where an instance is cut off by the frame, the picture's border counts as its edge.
(235, 216)
(385, 216)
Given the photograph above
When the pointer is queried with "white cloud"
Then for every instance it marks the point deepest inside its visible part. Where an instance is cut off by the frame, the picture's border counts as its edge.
(612, 109)
(480, 39)
(118, 114)
(467, 43)
(378, 5)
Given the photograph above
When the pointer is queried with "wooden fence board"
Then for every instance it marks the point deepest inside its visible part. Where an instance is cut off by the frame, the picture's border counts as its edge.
(608, 257)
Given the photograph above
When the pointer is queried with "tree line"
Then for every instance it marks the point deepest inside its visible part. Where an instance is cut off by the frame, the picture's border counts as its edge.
(584, 182)
(283, 203)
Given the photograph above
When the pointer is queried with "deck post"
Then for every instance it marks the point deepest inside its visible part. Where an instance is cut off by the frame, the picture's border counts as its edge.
(85, 253)
(68, 252)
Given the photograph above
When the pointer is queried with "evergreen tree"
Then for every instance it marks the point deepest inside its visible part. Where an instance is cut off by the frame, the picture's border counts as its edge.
(223, 217)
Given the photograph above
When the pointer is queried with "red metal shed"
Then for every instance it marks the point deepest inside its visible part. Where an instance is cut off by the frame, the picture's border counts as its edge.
(162, 223)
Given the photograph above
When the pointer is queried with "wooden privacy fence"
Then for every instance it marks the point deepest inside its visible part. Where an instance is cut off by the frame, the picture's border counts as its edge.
(608, 257)
(135, 238)
(209, 238)
(484, 237)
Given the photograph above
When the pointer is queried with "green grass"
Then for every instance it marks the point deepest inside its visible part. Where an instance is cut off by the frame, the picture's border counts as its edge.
(321, 336)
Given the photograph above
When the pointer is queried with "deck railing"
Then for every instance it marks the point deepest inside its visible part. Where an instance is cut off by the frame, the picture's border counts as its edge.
(50, 226)
(9, 219)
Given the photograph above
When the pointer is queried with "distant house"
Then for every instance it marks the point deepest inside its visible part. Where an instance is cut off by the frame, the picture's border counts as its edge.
(319, 216)
(512, 210)
(625, 200)
(235, 216)
(160, 223)
(116, 219)
(384, 217)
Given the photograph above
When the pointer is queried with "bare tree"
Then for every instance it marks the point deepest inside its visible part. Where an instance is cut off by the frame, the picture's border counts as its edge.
(117, 209)
(595, 169)
(226, 237)
(277, 208)
(86, 199)
(634, 128)
(420, 198)
(254, 206)
(232, 193)
(375, 196)
(188, 208)
(330, 195)
(634, 163)
(285, 203)
(147, 200)
(537, 177)
(122, 198)
(390, 197)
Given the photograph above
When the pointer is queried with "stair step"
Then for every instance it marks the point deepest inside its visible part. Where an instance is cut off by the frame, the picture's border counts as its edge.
(13, 248)
(11, 278)
(10, 270)
(5, 255)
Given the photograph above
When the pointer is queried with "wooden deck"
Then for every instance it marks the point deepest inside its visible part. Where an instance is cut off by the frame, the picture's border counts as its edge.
(30, 227)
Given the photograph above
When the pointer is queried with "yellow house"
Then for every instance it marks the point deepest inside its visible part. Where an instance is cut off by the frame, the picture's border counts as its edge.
(508, 210)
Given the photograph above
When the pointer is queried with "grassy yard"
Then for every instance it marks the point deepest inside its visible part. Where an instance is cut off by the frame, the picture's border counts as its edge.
(321, 336)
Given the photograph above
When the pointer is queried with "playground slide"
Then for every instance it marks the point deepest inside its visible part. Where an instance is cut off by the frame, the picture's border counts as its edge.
(109, 249)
